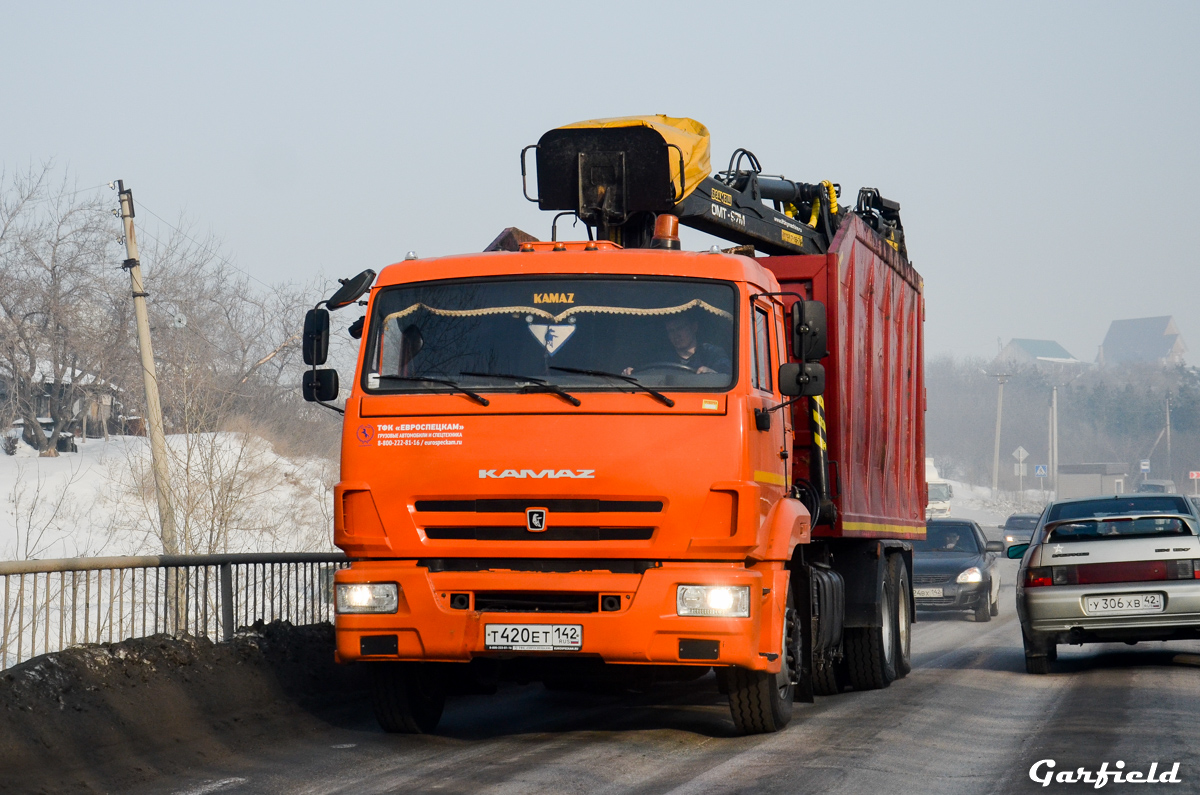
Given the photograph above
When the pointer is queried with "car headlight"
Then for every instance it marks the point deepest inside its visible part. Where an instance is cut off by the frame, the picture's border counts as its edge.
(368, 597)
(1008, 539)
(726, 601)
(972, 574)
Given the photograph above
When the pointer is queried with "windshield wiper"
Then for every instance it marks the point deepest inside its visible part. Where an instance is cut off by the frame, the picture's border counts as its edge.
(531, 384)
(659, 396)
(480, 399)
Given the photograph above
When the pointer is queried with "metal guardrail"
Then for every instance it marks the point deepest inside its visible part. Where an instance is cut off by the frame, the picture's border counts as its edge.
(51, 605)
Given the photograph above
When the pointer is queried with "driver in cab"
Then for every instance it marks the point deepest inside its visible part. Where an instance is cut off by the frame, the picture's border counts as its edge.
(700, 357)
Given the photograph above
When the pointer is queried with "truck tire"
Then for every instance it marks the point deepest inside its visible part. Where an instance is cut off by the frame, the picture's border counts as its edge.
(761, 702)
(829, 678)
(903, 616)
(871, 651)
(408, 697)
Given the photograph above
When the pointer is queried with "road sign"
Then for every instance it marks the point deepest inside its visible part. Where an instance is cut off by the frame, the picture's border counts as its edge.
(1040, 471)
(1020, 454)
(1146, 465)
(1021, 470)
(1194, 475)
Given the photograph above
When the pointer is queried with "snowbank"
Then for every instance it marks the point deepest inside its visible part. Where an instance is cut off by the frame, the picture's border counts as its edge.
(976, 503)
(231, 493)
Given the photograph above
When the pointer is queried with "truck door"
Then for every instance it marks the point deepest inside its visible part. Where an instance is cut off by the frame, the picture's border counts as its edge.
(765, 442)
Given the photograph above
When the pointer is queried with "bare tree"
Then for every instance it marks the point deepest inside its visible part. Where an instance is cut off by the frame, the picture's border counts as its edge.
(56, 312)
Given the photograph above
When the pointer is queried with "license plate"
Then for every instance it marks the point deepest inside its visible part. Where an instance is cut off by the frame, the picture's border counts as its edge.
(533, 637)
(1126, 604)
(927, 593)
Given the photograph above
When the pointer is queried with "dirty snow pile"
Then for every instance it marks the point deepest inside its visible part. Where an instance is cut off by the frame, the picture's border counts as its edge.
(977, 503)
(231, 492)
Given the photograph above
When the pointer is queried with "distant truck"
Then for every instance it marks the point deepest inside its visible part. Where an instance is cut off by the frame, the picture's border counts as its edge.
(606, 459)
(939, 492)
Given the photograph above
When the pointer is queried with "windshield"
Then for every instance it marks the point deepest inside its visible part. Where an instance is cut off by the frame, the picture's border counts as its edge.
(1096, 529)
(956, 538)
(1117, 506)
(666, 333)
(1021, 523)
(939, 492)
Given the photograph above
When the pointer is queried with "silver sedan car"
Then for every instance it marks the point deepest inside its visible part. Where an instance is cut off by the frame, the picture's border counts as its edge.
(1109, 569)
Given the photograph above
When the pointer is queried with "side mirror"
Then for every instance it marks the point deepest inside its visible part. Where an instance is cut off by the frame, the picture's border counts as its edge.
(320, 386)
(994, 546)
(356, 328)
(315, 343)
(810, 335)
(351, 290)
(1016, 551)
(801, 380)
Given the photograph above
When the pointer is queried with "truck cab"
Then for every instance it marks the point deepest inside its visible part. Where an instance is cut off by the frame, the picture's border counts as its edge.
(572, 461)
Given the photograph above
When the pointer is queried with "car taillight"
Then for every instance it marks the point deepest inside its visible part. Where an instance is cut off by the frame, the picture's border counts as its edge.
(1038, 576)
(1183, 569)
(1100, 573)
(1065, 575)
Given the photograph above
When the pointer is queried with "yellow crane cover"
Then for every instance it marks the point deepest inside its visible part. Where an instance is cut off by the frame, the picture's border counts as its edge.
(688, 134)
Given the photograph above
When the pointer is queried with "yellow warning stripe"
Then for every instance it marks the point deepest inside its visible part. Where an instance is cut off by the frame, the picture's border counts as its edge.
(878, 527)
(818, 415)
(770, 477)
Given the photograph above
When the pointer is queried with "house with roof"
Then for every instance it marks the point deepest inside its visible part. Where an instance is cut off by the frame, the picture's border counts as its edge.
(1143, 340)
(1043, 354)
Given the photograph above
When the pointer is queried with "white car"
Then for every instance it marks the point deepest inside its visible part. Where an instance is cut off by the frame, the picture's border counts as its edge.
(1109, 569)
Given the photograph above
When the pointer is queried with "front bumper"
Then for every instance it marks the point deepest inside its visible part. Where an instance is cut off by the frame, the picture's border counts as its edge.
(645, 629)
(1057, 612)
(955, 596)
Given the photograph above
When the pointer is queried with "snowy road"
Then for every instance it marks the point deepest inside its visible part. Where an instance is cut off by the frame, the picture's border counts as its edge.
(966, 720)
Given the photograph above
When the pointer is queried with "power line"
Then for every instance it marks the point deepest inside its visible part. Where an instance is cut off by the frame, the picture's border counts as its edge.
(206, 248)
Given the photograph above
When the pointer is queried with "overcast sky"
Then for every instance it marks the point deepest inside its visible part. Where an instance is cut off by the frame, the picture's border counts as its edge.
(1044, 154)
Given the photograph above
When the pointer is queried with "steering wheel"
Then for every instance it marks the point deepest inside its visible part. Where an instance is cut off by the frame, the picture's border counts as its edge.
(664, 366)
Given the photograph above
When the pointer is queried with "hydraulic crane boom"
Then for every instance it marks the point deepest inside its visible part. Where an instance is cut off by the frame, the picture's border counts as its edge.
(618, 175)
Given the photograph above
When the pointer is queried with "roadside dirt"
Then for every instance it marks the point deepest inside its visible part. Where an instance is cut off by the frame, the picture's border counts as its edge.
(102, 717)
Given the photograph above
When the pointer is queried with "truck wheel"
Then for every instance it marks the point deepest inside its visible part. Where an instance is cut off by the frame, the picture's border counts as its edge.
(871, 651)
(828, 679)
(408, 697)
(759, 701)
(903, 616)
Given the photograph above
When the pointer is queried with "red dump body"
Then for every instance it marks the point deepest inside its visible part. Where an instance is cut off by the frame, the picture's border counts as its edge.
(875, 382)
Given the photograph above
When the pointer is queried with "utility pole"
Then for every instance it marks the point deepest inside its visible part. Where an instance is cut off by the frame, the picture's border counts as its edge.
(1054, 441)
(1170, 463)
(154, 421)
(1000, 379)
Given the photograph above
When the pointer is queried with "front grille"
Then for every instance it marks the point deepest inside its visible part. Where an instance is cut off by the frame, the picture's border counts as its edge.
(929, 579)
(536, 602)
(554, 505)
(941, 602)
(517, 533)
(567, 565)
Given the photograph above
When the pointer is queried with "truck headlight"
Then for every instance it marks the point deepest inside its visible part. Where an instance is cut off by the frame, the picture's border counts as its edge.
(971, 575)
(726, 601)
(368, 597)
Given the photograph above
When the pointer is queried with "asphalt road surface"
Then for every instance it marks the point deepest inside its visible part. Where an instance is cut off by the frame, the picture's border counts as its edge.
(968, 719)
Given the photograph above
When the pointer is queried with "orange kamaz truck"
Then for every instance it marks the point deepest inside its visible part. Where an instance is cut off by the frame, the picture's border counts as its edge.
(612, 461)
